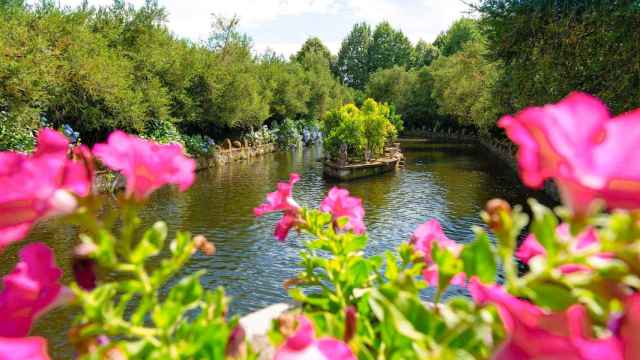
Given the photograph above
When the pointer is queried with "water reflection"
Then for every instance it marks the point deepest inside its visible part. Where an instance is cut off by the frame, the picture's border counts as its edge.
(449, 182)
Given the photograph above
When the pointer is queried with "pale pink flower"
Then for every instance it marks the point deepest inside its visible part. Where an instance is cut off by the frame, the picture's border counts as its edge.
(26, 348)
(39, 185)
(422, 241)
(146, 165)
(303, 345)
(576, 142)
(340, 204)
(535, 334)
(30, 290)
(281, 200)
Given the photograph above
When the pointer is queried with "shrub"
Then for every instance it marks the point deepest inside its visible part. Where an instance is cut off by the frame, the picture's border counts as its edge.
(368, 128)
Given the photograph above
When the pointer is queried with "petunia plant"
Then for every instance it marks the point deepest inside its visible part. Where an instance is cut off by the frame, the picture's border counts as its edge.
(577, 299)
(129, 308)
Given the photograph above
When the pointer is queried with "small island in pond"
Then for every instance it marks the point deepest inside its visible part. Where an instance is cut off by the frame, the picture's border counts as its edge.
(359, 141)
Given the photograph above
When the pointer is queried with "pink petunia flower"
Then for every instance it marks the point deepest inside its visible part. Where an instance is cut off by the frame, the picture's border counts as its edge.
(30, 290)
(27, 348)
(303, 345)
(422, 241)
(340, 204)
(282, 201)
(39, 185)
(576, 142)
(531, 248)
(146, 165)
(535, 334)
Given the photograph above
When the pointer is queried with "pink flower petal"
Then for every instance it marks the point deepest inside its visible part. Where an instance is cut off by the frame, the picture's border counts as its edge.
(529, 248)
(304, 346)
(31, 289)
(146, 165)
(340, 204)
(38, 185)
(27, 348)
(534, 334)
(576, 142)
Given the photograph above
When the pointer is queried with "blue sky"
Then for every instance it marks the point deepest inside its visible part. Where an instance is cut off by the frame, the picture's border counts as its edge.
(283, 25)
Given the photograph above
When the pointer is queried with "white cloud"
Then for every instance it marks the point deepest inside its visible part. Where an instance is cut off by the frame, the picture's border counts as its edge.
(266, 20)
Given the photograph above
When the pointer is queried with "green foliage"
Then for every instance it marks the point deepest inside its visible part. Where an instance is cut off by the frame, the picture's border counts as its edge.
(424, 54)
(352, 65)
(119, 67)
(388, 48)
(368, 128)
(287, 134)
(15, 137)
(550, 48)
(463, 83)
(462, 31)
(313, 45)
(392, 86)
(147, 309)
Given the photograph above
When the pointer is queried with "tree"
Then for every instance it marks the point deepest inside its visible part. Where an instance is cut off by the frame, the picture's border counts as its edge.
(463, 86)
(424, 54)
(313, 45)
(461, 32)
(391, 86)
(353, 58)
(389, 48)
(550, 48)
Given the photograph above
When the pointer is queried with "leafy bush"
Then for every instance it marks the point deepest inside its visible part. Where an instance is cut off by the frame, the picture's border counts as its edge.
(368, 128)
(198, 145)
(15, 137)
(287, 134)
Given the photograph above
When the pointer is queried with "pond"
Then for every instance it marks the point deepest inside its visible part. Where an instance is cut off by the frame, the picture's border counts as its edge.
(447, 181)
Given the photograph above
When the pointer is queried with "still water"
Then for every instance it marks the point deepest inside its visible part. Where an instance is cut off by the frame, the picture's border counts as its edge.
(446, 181)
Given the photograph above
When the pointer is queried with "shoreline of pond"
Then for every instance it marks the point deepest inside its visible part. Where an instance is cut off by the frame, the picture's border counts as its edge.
(505, 152)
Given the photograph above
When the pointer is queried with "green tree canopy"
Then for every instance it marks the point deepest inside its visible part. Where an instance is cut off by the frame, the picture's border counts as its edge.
(353, 58)
(389, 47)
(461, 32)
(424, 54)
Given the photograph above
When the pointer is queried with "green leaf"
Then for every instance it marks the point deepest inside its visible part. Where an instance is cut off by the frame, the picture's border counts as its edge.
(479, 259)
(151, 243)
(553, 296)
(448, 265)
(544, 227)
(188, 290)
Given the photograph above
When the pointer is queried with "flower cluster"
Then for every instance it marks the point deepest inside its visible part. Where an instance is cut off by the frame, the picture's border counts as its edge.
(55, 180)
(579, 298)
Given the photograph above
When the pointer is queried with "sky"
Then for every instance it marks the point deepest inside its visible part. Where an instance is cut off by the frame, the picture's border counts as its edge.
(283, 25)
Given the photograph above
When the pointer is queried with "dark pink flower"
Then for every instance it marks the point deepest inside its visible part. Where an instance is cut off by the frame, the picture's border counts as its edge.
(281, 200)
(146, 165)
(27, 348)
(303, 345)
(534, 334)
(31, 289)
(531, 248)
(340, 204)
(577, 143)
(630, 328)
(422, 241)
(39, 185)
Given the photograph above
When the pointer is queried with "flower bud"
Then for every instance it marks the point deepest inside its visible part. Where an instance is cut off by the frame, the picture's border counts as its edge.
(201, 243)
(292, 282)
(350, 323)
(84, 267)
(236, 347)
(494, 209)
